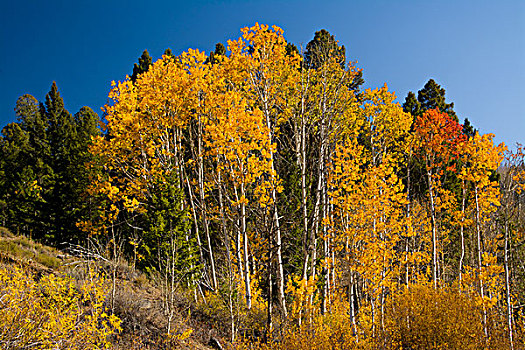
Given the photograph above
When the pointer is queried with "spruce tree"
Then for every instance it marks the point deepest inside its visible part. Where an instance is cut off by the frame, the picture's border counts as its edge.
(145, 61)
(169, 53)
(43, 167)
(25, 168)
(62, 137)
(323, 47)
(82, 167)
(411, 104)
(220, 50)
(431, 96)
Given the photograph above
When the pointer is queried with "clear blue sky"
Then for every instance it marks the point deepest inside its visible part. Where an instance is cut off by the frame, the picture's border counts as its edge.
(474, 49)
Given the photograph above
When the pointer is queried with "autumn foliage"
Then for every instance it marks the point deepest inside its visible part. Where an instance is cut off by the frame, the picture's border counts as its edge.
(53, 313)
(301, 212)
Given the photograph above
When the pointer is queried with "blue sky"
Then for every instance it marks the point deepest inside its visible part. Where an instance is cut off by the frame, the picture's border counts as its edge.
(474, 49)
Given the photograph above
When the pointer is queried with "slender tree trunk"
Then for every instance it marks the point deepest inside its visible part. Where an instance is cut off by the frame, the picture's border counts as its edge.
(353, 311)
(507, 284)
(270, 286)
(238, 240)
(319, 197)
(204, 213)
(277, 237)
(301, 155)
(184, 179)
(114, 269)
(480, 262)
(278, 243)
(245, 250)
(195, 221)
(226, 238)
(326, 246)
(461, 231)
(407, 240)
(434, 233)
(304, 199)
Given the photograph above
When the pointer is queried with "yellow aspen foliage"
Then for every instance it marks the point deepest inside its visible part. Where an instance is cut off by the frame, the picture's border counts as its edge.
(350, 257)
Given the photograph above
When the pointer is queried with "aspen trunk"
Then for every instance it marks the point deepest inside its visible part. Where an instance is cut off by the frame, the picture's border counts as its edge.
(277, 236)
(461, 231)
(238, 240)
(301, 157)
(434, 233)
(304, 199)
(353, 311)
(232, 285)
(247, 283)
(507, 284)
(407, 279)
(480, 262)
(270, 288)
(204, 214)
(183, 178)
(326, 245)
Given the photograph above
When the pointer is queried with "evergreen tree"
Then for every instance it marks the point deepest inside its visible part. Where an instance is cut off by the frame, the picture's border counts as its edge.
(321, 48)
(220, 50)
(411, 104)
(145, 61)
(62, 138)
(169, 53)
(291, 49)
(43, 167)
(324, 46)
(432, 96)
(25, 167)
(468, 129)
(166, 244)
(82, 167)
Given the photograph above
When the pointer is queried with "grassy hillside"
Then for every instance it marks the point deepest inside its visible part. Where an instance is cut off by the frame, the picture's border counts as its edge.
(133, 298)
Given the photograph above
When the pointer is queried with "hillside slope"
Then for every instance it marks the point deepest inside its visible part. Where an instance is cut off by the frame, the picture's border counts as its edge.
(134, 298)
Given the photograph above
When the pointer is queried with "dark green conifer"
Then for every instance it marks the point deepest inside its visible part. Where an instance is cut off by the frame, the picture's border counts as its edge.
(26, 173)
(431, 96)
(220, 50)
(323, 47)
(43, 167)
(411, 104)
(145, 61)
(168, 53)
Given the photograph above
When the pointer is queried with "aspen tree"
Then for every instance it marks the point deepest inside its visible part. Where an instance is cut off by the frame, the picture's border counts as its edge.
(271, 76)
(437, 136)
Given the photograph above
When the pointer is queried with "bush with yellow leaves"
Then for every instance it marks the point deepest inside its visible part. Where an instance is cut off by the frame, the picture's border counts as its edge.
(52, 313)
(307, 327)
(422, 317)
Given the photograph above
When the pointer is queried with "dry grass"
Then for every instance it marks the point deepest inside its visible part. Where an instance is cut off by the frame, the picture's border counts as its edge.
(24, 250)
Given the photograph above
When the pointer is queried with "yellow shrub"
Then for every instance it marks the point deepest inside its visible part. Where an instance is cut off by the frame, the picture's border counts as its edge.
(52, 313)
(422, 317)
